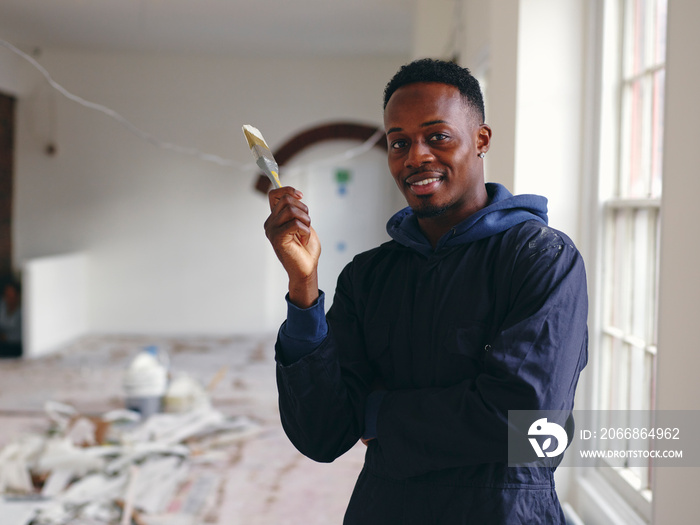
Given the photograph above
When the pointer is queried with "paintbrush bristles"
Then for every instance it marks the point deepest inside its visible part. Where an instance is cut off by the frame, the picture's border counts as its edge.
(254, 137)
(263, 156)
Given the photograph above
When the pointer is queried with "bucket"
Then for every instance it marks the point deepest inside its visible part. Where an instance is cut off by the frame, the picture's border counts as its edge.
(145, 382)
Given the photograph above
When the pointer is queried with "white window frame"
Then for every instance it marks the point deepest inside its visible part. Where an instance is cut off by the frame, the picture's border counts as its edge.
(613, 494)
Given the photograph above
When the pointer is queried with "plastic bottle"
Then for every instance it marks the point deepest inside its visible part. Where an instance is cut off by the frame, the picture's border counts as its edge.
(146, 381)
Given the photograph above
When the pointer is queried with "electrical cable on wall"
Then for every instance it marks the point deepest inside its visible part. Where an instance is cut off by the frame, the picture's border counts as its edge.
(148, 137)
(119, 118)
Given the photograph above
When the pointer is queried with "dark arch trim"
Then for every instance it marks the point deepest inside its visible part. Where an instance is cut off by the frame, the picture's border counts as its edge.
(312, 136)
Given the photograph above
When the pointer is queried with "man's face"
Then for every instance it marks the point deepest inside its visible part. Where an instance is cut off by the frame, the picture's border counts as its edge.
(434, 141)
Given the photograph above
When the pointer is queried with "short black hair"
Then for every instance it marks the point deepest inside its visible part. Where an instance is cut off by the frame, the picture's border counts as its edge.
(442, 71)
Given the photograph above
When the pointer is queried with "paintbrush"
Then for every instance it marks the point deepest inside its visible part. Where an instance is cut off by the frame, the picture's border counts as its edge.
(263, 155)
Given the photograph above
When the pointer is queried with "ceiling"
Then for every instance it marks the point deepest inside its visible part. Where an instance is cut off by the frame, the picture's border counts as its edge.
(294, 28)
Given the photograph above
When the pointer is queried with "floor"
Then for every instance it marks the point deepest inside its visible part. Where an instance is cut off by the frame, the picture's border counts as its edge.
(258, 479)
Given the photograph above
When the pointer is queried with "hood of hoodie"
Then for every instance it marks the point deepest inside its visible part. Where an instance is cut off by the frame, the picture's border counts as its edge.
(504, 211)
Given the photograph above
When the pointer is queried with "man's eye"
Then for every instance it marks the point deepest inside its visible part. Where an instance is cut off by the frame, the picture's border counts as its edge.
(398, 144)
(438, 137)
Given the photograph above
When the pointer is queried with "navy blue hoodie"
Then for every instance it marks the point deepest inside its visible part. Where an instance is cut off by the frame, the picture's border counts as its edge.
(425, 350)
(503, 211)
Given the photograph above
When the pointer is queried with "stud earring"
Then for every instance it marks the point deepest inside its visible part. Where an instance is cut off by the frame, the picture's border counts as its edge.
(481, 155)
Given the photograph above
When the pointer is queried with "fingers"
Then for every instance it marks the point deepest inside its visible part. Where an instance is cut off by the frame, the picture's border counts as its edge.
(275, 195)
(289, 216)
(295, 243)
(287, 227)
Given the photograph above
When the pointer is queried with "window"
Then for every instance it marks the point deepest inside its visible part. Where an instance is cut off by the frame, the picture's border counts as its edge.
(630, 191)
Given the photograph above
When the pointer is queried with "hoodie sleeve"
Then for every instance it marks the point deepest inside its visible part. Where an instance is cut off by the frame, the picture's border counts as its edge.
(532, 363)
(322, 393)
(302, 332)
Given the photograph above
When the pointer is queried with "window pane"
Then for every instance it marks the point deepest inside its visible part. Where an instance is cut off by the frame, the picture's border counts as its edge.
(657, 132)
(660, 31)
(621, 373)
(632, 184)
(652, 276)
(638, 35)
(642, 286)
(616, 291)
(655, 321)
(644, 35)
(606, 377)
(639, 466)
(651, 374)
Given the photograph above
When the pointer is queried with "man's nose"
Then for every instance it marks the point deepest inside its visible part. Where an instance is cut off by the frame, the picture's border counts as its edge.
(418, 154)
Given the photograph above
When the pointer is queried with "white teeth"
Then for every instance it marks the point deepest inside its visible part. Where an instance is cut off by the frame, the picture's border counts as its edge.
(424, 182)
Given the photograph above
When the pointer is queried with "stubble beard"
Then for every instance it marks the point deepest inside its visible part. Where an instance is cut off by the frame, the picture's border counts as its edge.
(428, 211)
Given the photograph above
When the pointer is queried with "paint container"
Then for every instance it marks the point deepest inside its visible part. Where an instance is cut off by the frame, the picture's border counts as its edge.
(185, 394)
(146, 381)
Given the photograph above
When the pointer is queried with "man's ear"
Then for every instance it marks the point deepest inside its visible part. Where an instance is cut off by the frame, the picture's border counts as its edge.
(483, 138)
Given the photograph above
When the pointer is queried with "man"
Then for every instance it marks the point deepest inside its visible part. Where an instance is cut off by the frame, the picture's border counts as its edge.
(11, 320)
(476, 307)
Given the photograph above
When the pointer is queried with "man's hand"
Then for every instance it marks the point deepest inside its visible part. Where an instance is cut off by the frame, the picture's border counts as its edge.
(296, 244)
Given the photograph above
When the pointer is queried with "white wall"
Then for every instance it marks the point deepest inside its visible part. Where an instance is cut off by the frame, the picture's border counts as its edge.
(678, 388)
(54, 307)
(176, 245)
(9, 72)
(502, 75)
(530, 53)
(433, 28)
(550, 107)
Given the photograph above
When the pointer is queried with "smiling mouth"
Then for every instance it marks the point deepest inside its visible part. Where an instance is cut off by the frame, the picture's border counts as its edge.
(425, 182)
(425, 187)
